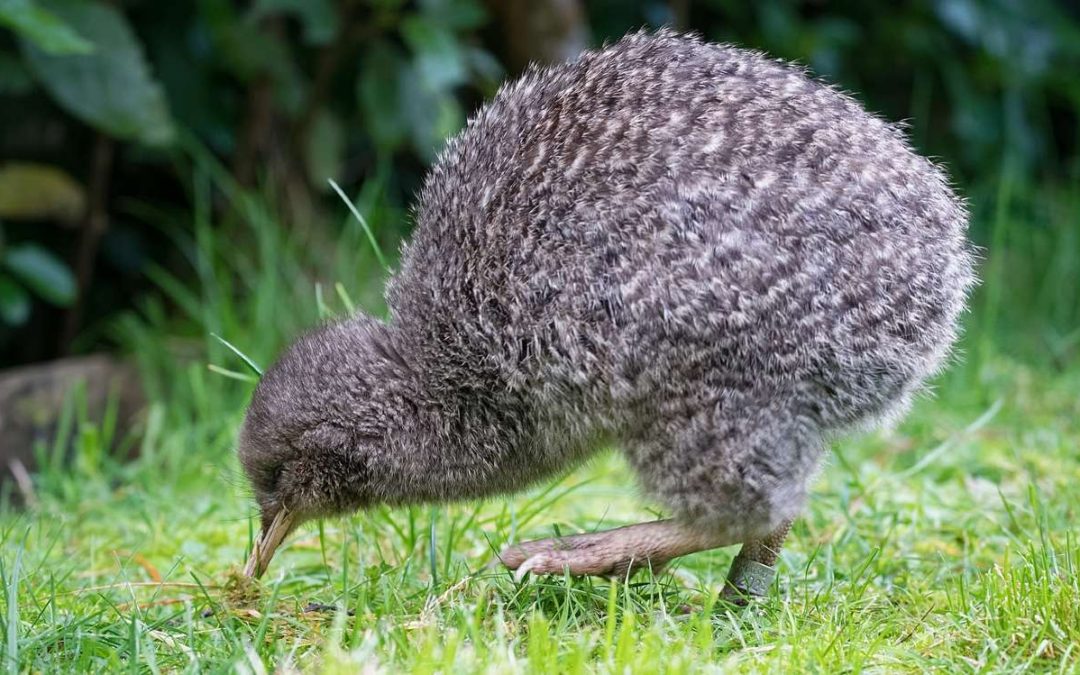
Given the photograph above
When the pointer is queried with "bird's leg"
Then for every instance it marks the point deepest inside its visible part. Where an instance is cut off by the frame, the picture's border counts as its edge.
(752, 571)
(617, 552)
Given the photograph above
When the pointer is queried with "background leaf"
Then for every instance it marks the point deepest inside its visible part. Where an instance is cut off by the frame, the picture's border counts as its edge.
(30, 191)
(440, 60)
(43, 28)
(42, 272)
(110, 89)
(14, 303)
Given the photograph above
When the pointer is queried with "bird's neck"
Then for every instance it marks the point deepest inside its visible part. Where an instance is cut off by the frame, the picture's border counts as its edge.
(451, 435)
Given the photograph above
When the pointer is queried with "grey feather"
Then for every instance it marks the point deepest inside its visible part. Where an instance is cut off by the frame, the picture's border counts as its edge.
(689, 250)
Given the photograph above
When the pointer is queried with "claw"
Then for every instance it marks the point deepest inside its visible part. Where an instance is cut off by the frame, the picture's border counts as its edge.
(545, 563)
(524, 568)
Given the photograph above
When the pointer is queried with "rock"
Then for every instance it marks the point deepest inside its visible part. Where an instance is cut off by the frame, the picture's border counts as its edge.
(33, 397)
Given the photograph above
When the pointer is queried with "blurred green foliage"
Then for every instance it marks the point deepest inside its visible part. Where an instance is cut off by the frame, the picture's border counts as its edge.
(108, 87)
(30, 268)
(121, 96)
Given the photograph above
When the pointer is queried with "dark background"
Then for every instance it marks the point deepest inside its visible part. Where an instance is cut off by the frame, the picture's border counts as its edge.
(107, 108)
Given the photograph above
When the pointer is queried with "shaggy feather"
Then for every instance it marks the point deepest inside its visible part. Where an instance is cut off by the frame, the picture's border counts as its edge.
(693, 251)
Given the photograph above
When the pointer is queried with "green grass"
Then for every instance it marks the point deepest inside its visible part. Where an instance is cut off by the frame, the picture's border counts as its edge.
(946, 543)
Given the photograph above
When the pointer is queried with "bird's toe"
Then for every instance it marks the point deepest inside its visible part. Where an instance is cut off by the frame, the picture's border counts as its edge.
(579, 563)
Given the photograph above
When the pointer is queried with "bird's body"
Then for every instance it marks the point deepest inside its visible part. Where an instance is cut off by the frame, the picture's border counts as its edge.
(690, 251)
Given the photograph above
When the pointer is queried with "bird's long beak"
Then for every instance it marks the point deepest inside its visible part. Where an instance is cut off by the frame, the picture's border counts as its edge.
(268, 543)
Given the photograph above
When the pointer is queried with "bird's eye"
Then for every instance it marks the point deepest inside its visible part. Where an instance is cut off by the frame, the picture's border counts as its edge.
(269, 478)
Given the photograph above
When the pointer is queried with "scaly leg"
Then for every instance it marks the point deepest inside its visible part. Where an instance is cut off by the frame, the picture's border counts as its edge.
(752, 571)
(617, 552)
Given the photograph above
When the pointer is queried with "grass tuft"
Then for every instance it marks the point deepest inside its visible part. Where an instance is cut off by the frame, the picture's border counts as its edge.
(240, 591)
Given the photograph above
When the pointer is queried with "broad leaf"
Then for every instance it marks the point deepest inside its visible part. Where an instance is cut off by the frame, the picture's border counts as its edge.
(14, 303)
(41, 272)
(440, 60)
(433, 115)
(111, 89)
(31, 191)
(43, 28)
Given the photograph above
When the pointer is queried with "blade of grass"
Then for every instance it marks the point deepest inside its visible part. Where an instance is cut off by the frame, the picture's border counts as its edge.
(243, 357)
(363, 223)
(12, 650)
(231, 374)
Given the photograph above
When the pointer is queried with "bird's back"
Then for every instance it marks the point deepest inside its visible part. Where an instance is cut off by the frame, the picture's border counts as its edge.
(666, 213)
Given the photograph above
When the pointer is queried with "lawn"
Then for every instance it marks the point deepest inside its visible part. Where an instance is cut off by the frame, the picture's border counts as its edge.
(947, 542)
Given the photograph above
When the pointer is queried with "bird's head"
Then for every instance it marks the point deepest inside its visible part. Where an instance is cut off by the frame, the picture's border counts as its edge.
(317, 420)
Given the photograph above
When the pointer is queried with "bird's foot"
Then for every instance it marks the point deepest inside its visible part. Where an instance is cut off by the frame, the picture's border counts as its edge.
(747, 579)
(614, 553)
(753, 570)
(596, 554)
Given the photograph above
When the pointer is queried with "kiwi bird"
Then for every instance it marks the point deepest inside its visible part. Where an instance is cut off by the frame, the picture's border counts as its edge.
(688, 251)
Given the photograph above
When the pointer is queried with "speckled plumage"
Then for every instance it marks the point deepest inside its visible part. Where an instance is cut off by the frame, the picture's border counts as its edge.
(697, 254)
